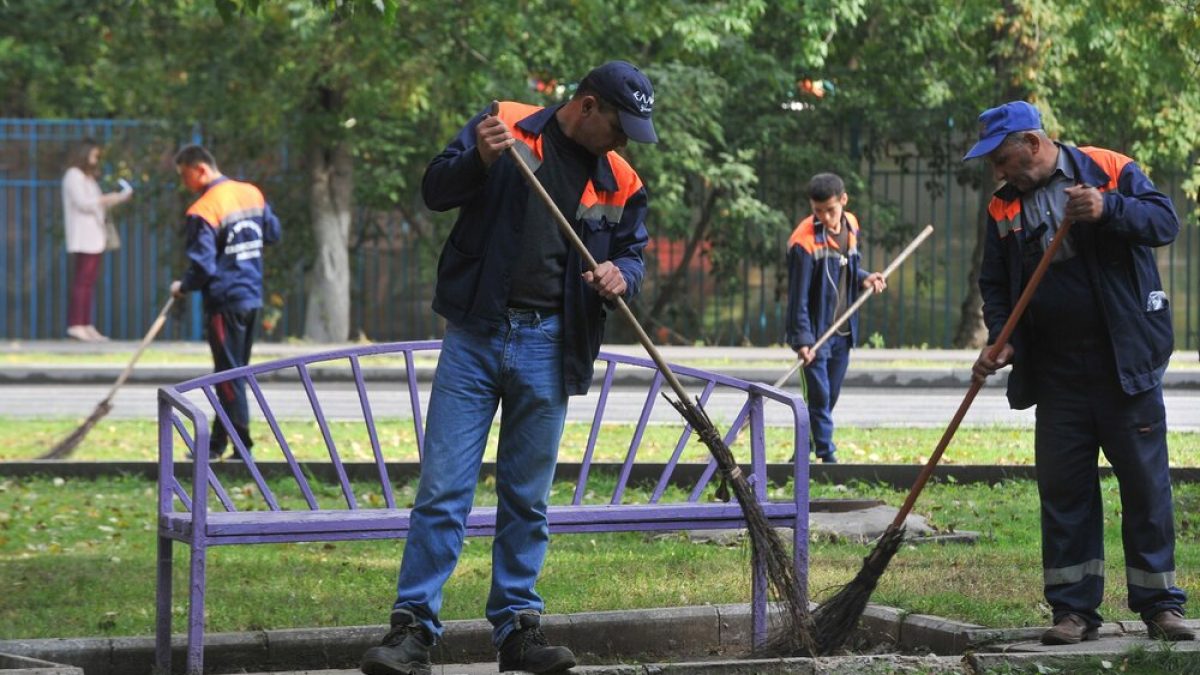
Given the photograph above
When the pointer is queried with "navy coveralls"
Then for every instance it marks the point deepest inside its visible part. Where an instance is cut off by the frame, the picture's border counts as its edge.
(1090, 353)
(814, 267)
(227, 228)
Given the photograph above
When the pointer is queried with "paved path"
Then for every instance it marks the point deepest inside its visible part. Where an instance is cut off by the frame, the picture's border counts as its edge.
(859, 406)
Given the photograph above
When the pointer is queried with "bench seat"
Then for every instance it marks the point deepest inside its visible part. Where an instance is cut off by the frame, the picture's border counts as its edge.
(324, 525)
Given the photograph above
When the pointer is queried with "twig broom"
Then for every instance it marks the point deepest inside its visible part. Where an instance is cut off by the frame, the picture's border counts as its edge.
(66, 446)
(835, 618)
(768, 548)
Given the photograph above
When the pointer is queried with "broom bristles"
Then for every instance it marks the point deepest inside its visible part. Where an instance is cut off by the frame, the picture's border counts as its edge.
(796, 632)
(66, 446)
(836, 618)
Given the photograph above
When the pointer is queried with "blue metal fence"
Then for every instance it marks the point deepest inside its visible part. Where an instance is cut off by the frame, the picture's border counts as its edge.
(393, 267)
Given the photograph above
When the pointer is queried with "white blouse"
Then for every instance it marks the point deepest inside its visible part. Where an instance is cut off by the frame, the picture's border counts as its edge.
(84, 206)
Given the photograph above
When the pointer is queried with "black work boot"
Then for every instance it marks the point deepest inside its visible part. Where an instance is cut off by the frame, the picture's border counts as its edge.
(405, 649)
(526, 649)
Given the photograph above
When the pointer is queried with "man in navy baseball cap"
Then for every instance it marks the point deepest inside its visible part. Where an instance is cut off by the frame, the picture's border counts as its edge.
(997, 123)
(625, 86)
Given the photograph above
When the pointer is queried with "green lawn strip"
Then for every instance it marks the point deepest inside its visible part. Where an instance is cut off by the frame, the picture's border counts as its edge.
(136, 440)
(78, 560)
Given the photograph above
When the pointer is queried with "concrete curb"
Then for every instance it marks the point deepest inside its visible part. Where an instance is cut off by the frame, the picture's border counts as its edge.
(21, 665)
(716, 631)
(669, 633)
(711, 636)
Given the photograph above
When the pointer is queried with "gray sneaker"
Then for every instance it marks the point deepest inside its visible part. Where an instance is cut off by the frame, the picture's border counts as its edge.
(526, 648)
(404, 651)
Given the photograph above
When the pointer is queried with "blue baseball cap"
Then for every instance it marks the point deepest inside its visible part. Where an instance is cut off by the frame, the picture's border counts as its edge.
(997, 123)
(625, 86)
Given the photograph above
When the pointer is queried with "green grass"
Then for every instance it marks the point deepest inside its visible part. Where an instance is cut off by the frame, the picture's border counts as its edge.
(136, 440)
(78, 560)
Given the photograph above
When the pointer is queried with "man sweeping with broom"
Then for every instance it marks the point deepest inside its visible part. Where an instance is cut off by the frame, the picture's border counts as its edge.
(1090, 353)
(227, 228)
(525, 319)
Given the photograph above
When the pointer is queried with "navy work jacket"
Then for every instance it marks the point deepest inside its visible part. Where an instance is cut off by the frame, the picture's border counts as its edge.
(227, 228)
(476, 264)
(814, 266)
(1118, 253)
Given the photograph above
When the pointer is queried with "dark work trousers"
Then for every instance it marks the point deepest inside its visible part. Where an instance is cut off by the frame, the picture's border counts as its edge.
(1082, 409)
(230, 336)
(823, 378)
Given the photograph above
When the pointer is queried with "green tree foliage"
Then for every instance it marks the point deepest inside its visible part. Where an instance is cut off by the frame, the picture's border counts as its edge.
(337, 105)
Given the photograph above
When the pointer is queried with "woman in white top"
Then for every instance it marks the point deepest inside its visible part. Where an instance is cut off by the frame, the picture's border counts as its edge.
(84, 208)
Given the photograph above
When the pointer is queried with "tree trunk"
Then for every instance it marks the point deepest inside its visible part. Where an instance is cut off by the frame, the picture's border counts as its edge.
(972, 333)
(1020, 57)
(327, 315)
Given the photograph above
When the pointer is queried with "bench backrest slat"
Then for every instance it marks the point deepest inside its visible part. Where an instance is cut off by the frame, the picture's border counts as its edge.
(664, 480)
(293, 465)
(210, 478)
(334, 457)
(593, 434)
(240, 448)
(711, 468)
(414, 398)
(365, 403)
(636, 440)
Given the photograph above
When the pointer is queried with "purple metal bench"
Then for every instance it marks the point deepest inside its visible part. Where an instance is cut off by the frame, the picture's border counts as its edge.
(203, 514)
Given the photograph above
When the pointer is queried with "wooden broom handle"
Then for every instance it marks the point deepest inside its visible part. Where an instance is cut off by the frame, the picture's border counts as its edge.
(146, 339)
(977, 383)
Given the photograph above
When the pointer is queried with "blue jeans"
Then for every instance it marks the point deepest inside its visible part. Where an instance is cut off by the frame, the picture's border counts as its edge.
(823, 377)
(518, 367)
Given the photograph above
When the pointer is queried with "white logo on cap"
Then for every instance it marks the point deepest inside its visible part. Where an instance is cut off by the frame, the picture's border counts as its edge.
(645, 103)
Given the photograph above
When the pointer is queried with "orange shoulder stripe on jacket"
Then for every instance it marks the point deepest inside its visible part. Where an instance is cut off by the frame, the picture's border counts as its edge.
(1112, 162)
(227, 198)
(803, 236)
(512, 112)
(628, 183)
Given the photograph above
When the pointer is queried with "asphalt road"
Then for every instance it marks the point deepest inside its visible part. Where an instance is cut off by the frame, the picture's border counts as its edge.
(867, 407)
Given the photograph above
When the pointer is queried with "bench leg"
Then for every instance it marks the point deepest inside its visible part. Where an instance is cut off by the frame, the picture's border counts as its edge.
(162, 630)
(195, 641)
(758, 605)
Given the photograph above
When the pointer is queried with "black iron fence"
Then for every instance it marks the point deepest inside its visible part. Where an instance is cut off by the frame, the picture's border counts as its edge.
(393, 266)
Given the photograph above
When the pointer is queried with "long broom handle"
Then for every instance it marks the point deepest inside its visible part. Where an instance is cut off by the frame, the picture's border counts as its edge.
(581, 248)
(150, 335)
(862, 298)
(977, 383)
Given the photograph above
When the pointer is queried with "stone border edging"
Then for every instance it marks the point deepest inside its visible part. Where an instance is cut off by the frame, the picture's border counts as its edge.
(666, 633)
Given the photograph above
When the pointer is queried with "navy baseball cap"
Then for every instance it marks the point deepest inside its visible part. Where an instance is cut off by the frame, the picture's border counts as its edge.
(997, 123)
(625, 86)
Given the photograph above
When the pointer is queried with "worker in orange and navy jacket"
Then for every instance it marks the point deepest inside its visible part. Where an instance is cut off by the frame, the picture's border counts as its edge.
(824, 278)
(227, 228)
(1090, 352)
(524, 324)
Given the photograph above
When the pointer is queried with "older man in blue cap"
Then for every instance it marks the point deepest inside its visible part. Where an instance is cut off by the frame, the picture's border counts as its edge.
(1090, 353)
(524, 325)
